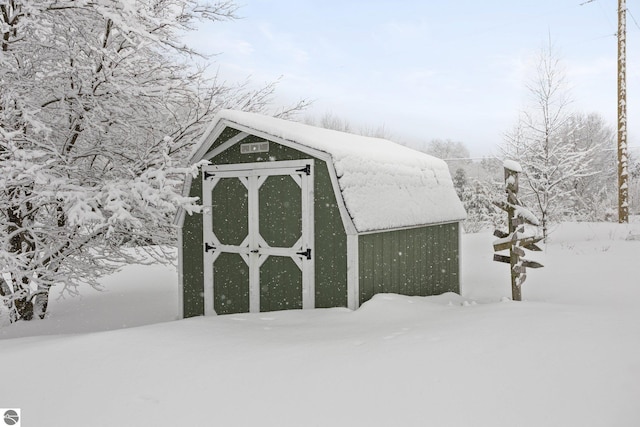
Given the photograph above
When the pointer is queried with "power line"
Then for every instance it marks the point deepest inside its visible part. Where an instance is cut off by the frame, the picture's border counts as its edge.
(500, 158)
(633, 18)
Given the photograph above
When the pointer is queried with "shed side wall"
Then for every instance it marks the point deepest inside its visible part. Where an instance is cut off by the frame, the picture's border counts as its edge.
(418, 261)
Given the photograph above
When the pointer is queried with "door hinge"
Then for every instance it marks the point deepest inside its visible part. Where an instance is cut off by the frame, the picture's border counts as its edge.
(306, 253)
(306, 170)
(208, 247)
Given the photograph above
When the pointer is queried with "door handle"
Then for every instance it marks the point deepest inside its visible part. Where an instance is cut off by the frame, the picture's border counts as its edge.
(306, 253)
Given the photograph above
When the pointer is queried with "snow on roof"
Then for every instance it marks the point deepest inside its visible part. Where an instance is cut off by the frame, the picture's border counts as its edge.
(384, 185)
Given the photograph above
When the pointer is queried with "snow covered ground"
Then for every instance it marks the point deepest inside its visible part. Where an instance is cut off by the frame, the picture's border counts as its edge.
(567, 356)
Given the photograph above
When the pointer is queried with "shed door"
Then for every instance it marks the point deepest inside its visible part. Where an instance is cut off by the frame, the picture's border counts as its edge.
(258, 234)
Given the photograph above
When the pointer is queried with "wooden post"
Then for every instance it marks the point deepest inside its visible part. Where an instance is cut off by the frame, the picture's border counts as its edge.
(511, 188)
(516, 239)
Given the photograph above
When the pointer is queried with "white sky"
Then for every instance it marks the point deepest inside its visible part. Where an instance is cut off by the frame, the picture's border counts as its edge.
(426, 69)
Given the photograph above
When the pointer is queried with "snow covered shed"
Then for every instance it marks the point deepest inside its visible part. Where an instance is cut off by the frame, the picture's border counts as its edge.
(302, 217)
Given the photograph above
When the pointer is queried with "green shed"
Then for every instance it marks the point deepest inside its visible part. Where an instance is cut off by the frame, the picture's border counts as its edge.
(296, 216)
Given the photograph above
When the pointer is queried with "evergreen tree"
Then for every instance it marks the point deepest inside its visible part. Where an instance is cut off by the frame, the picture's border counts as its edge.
(482, 214)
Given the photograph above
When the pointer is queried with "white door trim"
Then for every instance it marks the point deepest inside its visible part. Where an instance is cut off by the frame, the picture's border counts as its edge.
(254, 249)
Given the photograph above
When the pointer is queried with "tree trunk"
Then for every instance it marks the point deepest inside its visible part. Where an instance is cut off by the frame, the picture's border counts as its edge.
(22, 304)
(24, 308)
(7, 299)
(22, 299)
(41, 301)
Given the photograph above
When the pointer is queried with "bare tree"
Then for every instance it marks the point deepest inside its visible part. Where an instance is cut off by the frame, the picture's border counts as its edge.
(448, 150)
(539, 143)
(593, 195)
(331, 121)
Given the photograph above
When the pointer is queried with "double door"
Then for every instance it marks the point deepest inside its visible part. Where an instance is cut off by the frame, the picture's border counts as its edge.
(258, 237)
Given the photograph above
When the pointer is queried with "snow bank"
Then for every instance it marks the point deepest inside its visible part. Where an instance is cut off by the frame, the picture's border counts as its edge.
(134, 296)
(384, 185)
(593, 231)
(566, 356)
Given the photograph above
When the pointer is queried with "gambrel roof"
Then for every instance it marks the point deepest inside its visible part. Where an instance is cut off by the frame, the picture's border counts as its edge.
(384, 185)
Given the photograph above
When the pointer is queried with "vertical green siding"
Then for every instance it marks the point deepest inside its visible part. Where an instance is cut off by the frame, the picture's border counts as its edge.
(232, 284)
(417, 261)
(226, 135)
(280, 284)
(330, 244)
(192, 257)
(280, 211)
(230, 207)
(276, 153)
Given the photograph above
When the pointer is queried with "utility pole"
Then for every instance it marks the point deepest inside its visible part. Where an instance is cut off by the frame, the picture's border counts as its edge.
(623, 160)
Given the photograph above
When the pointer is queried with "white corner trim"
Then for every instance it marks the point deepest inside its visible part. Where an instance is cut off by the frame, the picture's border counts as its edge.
(180, 277)
(347, 221)
(353, 274)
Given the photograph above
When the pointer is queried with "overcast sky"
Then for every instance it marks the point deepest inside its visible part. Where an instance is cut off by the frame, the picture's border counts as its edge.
(427, 69)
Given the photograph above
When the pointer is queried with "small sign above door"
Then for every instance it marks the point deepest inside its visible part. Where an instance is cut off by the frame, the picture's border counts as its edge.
(254, 147)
